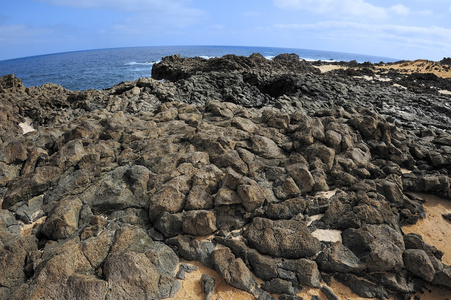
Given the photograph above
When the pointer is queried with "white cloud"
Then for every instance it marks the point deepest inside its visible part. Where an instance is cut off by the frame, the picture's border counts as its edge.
(433, 40)
(400, 9)
(141, 16)
(356, 8)
(433, 31)
(21, 34)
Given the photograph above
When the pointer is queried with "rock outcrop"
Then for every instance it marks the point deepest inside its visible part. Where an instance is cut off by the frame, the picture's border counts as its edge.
(221, 163)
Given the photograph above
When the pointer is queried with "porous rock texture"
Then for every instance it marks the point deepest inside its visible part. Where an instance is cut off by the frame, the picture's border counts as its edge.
(221, 163)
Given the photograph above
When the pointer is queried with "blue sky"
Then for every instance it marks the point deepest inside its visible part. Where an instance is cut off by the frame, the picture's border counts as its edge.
(403, 29)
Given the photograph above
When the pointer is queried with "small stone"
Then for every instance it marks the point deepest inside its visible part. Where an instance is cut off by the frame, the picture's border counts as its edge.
(329, 293)
(208, 286)
(447, 216)
(185, 268)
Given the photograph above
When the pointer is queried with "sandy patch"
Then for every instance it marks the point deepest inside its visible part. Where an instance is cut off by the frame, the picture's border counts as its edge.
(328, 68)
(405, 171)
(27, 126)
(340, 290)
(327, 194)
(28, 228)
(313, 218)
(373, 78)
(192, 287)
(435, 229)
(419, 66)
(328, 235)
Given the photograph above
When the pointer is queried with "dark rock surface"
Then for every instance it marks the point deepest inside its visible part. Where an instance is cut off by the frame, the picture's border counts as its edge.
(220, 163)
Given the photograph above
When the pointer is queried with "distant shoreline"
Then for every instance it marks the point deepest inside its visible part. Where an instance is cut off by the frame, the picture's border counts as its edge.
(103, 68)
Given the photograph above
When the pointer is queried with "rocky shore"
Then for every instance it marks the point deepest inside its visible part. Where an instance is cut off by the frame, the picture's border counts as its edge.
(274, 174)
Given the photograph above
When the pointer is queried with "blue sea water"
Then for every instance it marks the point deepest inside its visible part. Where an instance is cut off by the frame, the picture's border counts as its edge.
(103, 68)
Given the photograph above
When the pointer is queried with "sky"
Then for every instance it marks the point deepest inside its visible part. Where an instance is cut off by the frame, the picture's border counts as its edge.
(401, 29)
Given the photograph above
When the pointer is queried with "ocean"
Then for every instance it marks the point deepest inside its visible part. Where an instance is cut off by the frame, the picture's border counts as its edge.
(103, 68)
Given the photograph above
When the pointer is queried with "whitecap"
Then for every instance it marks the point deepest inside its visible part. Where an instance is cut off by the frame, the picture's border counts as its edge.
(316, 59)
(134, 63)
(206, 57)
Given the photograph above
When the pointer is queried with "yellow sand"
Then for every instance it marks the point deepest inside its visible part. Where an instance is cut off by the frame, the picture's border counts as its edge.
(328, 68)
(407, 67)
(192, 288)
(435, 229)
(419, 66)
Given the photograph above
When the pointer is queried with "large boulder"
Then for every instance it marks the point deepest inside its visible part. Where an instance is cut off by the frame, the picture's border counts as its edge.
(338, 258)
(233, 270)
(380, 247)
(282, 238)
(418, 262)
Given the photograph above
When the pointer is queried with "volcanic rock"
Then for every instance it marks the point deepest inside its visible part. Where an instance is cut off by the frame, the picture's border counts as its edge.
(221, 163)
